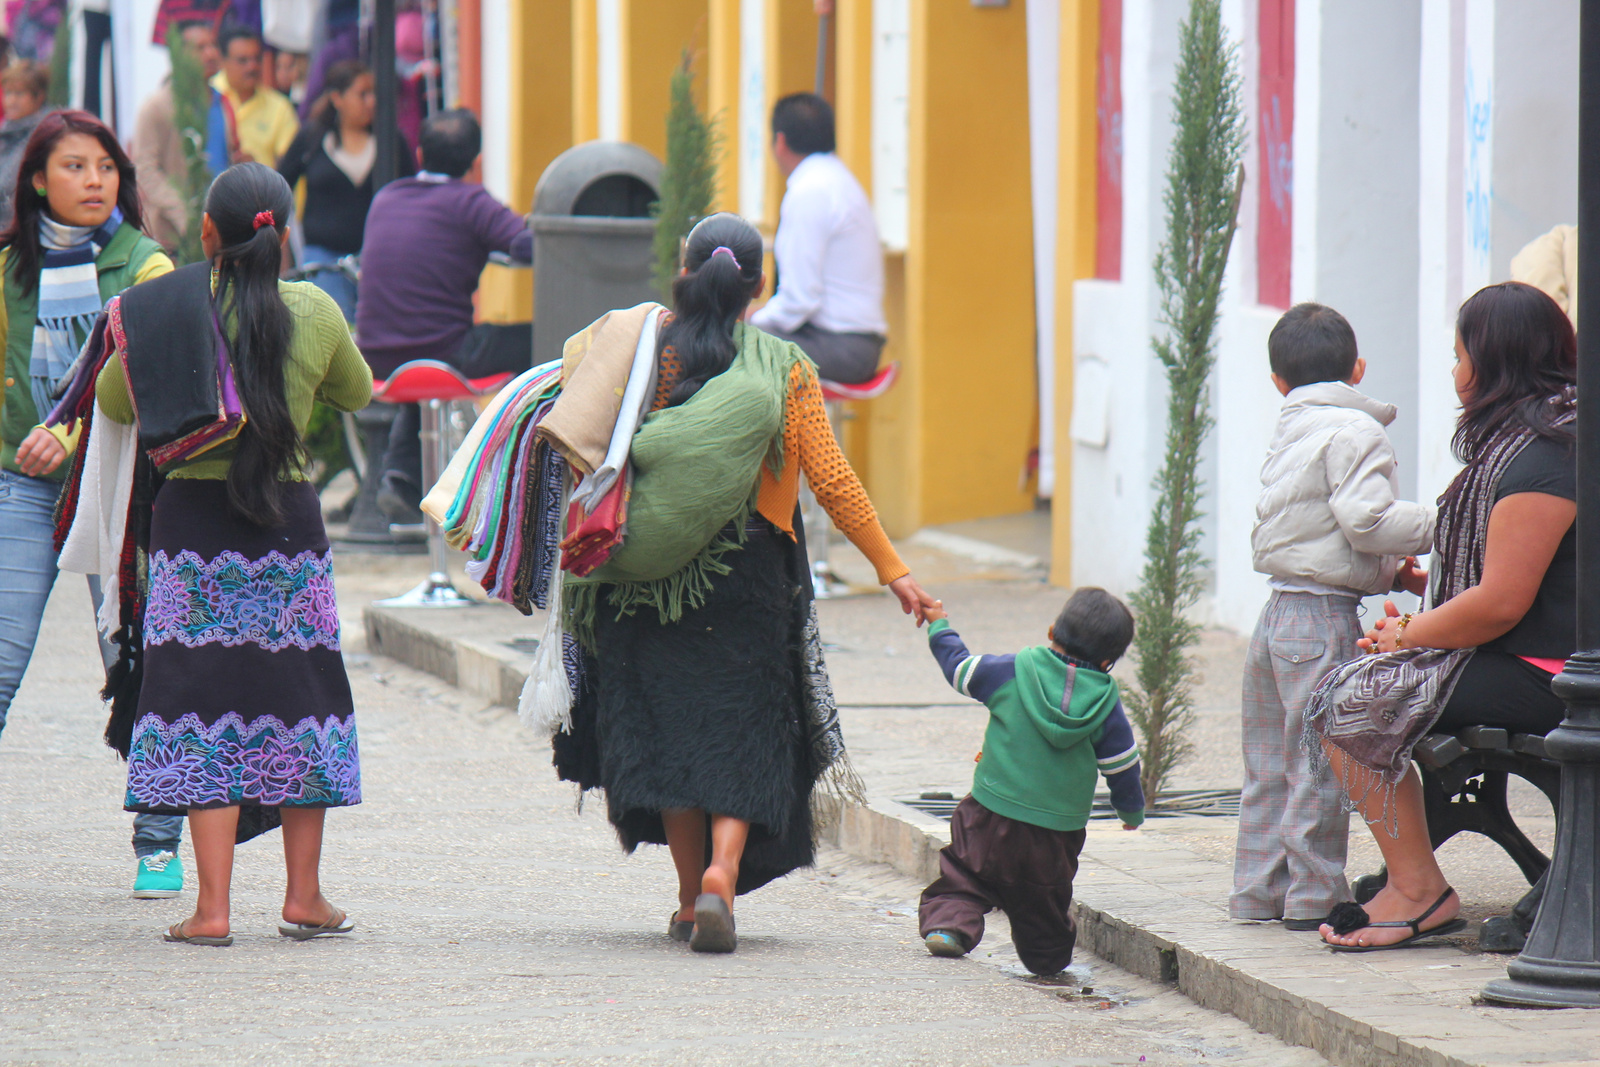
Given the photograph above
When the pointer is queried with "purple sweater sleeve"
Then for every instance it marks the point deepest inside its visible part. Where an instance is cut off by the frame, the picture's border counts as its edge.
(501, 229)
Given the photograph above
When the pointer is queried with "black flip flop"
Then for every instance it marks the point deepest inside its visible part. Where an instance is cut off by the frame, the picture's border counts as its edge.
(1347, 918)
(713, 925)
(679, 931)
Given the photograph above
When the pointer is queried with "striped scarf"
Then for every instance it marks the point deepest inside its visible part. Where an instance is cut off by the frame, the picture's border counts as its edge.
(1374, 709)
(69, 300)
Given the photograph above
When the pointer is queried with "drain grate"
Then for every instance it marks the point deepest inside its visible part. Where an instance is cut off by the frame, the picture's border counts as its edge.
(1222, 803)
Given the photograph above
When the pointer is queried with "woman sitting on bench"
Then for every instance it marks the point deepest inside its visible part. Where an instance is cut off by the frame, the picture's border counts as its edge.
(1504, 614)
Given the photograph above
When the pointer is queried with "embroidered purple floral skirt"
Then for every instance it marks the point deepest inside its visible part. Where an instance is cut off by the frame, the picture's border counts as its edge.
(245, 699)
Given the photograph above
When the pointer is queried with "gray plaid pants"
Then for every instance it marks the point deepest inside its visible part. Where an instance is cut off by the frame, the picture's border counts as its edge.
(1293, 830)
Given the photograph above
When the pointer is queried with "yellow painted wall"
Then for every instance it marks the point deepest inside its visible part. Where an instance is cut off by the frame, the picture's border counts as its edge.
(655, 34)
(722, 95)
(791, 33)
(1075, 242)
(585, 92)
(852, 102)
(969, 328)
(541, 114)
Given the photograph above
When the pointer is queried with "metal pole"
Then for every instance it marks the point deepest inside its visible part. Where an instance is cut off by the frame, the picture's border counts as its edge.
(1560, 966)
(385, 123)
(822, 54)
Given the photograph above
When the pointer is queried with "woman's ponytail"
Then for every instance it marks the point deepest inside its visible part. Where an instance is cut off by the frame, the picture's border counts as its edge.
(250, 205)
(723, 261)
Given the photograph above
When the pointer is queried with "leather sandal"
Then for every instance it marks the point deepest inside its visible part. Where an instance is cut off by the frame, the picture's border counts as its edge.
(679, 931)
(1347, 918)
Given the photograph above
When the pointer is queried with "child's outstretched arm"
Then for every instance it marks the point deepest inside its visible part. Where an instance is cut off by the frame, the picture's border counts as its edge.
(974, 676)
(1360, 463)
(1117, 753)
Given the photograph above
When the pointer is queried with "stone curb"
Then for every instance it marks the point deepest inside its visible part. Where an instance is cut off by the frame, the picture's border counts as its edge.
(493, 672)
(1159, 912)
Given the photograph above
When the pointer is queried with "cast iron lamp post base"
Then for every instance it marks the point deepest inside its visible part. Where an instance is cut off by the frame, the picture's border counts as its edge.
(1560, 965)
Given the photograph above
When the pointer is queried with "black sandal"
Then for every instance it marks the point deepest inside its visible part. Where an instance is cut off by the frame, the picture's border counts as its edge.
(713, 925)
(1347, 918)
(679, 931)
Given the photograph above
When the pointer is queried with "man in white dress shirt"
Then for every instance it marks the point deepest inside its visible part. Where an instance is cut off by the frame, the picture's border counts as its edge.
(830, 261)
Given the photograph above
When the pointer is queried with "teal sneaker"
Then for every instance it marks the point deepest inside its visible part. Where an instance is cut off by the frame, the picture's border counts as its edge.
(160, 876)
(946, 943)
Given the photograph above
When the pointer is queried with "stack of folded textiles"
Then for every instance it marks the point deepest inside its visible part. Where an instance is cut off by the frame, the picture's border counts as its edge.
(506, 512)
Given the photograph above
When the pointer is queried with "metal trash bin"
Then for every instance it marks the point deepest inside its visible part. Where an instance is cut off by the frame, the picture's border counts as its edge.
(592, 232)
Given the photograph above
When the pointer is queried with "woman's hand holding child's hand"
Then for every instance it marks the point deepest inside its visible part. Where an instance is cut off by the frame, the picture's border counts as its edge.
(914, 600)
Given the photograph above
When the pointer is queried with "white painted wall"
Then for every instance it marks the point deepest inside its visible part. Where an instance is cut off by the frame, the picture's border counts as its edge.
(496, 117)
(1044, 135)
(139, 66)
(891, 121)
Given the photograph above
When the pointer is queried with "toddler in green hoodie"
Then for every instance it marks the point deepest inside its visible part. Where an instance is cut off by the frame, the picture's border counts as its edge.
(1055, 725)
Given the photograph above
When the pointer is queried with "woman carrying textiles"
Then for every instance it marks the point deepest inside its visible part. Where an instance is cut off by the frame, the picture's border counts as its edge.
(711, 709)
(244, 714)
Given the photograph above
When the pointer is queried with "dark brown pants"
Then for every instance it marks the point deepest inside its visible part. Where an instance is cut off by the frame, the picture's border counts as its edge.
(1024, 870)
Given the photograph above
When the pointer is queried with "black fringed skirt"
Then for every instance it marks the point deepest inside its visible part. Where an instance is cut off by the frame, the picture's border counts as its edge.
(706, 712)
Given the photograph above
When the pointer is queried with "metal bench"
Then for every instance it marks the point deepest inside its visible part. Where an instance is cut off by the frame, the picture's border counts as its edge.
(1464, 779)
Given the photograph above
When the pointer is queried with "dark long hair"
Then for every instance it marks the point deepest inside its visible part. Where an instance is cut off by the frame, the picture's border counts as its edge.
(1523, 353)
(339, 78)
(709, 299)
(22, 236)
(270, 448)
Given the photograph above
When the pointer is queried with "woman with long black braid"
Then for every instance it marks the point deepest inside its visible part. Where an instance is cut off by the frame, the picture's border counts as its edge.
(713, 716)
(244, 718)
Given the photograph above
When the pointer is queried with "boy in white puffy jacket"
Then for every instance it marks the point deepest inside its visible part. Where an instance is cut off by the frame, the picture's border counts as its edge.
(1329, 530)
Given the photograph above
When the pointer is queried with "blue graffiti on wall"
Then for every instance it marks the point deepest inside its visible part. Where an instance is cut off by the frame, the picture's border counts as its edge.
(1280, 160)
(1479, 183)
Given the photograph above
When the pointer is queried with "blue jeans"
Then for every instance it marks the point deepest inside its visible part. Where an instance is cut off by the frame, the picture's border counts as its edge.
(332, 282)
(27, 573)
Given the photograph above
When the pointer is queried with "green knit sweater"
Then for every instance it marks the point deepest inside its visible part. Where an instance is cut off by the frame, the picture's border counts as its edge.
(324, 364)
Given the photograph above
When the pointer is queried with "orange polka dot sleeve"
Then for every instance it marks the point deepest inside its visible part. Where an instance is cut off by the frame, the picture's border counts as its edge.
(808, 438)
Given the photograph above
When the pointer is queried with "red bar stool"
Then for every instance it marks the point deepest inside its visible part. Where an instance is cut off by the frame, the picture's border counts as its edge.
(825, 583)
(433, 385)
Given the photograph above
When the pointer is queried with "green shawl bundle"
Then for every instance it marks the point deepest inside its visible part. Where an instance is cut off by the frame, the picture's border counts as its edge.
(696, 468)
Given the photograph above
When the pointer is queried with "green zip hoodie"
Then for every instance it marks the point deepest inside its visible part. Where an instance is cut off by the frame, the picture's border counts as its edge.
(1054, 727)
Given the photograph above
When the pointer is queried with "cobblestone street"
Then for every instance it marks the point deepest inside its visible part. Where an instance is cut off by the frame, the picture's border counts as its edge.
(495, 924)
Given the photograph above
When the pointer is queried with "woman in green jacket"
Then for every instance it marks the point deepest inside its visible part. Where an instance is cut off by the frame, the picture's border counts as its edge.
(75, 243)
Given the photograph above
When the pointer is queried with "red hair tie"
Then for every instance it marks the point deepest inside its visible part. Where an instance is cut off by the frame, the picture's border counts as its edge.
(264, 218)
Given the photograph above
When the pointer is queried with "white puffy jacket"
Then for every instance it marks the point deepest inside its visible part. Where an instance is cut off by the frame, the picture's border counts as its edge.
(1328, 511)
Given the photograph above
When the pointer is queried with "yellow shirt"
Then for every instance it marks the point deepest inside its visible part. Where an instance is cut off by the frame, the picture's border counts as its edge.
(266, 123)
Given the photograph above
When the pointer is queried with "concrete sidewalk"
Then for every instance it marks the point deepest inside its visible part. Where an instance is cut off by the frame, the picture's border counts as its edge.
(1153, 902)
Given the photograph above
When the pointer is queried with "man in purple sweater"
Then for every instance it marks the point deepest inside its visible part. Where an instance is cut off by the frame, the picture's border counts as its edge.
(427, 240)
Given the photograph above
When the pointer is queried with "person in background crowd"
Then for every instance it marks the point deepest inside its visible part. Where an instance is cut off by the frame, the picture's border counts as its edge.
(258, 701)
(264, 119)
(77, 204)
(830, 261)
(289, 75)
(335, 154)
(158, 146)
(427, 241)
(25, 85)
